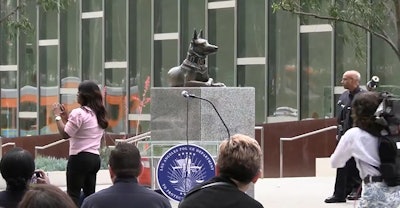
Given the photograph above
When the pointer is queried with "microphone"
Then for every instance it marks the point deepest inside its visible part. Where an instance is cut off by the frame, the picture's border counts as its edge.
(187, 95)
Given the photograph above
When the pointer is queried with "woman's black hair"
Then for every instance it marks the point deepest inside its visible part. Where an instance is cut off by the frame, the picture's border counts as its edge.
(90, 96)
(17, 167)
(363, 110)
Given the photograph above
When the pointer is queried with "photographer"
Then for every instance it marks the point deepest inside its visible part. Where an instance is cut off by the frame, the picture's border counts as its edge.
(359, 142)
(17, 167)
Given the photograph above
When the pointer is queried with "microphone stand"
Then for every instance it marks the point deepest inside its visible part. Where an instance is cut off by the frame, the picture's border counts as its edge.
(215, 109)
(187, 95)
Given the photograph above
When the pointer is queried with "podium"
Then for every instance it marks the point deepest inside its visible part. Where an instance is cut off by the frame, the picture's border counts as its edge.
(176, 119)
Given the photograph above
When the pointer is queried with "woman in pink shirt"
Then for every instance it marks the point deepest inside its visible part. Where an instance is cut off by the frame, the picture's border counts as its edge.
(84, 127)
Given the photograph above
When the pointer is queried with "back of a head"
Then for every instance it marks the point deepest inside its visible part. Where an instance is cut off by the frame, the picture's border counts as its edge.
(239, 158)
(17, 167)
(46, 196)
(125, 160)
(89, 95)
(89, 92)
(364, 107)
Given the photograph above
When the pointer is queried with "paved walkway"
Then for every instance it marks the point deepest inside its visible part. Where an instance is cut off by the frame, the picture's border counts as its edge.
(298, 192)
(307, 192)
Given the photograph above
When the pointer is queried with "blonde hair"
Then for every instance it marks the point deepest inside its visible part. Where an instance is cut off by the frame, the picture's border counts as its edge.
(239, 158)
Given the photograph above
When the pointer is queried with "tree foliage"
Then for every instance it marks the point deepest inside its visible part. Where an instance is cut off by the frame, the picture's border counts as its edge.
(14, 20)
(381, 18)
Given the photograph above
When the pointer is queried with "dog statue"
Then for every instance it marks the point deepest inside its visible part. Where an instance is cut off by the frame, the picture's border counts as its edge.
(193, 71)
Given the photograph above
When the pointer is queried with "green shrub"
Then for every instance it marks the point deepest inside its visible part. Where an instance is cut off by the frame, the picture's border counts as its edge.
(49, 163)
(104, 155)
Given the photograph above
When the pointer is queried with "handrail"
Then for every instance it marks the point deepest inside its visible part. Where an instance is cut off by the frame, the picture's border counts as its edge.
(135, 138)
(49, 145)
(295, 138)
(8, 144)
(132, 141)
(261, 129)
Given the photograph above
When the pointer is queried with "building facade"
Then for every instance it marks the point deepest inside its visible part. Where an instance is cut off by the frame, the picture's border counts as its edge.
(128, 46)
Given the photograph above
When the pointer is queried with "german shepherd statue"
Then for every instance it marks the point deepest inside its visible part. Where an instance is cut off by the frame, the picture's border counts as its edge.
(193, 71)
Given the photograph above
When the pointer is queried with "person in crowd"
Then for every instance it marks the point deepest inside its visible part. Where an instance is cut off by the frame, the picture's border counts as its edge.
(361, 143)
(125, 166)
(348, 182)
(238, 165)
(84, 127)
(17, 168)
(46, 196)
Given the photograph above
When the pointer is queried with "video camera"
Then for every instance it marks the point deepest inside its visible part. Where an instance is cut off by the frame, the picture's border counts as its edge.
(373, 83)
(388, 112)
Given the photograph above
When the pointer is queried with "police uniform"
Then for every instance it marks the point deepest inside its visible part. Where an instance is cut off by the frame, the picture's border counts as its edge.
(347, 177)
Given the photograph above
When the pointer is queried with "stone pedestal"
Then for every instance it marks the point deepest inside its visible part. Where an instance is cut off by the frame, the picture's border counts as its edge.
(175, 118)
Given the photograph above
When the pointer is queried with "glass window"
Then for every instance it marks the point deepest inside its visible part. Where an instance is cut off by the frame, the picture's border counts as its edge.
(70, 101)
(316, 73)
(28, 74)
(165, 16)
(28, 50)
(8, 105)
(115, 30)
(48, 24)
(347, 56)
(92, 5)
(8, 79)
(48, 96)
(323, 11)
(70, 69)
(48, 86)
(69, 45)
(251, 28)
(140, 53)
(282, 67)
(116, 99)
(92, 47)
(164, 59)
(28, 104)
(192, 17)
(221, 33)
(27, 127)
(48, 65)
(254, 76)
(8, 38)
(385, 62)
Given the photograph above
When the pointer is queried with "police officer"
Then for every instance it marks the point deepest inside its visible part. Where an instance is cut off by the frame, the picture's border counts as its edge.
(348, 181)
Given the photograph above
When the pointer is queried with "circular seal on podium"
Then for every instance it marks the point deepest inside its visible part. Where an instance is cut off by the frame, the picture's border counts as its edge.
(183, 167)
